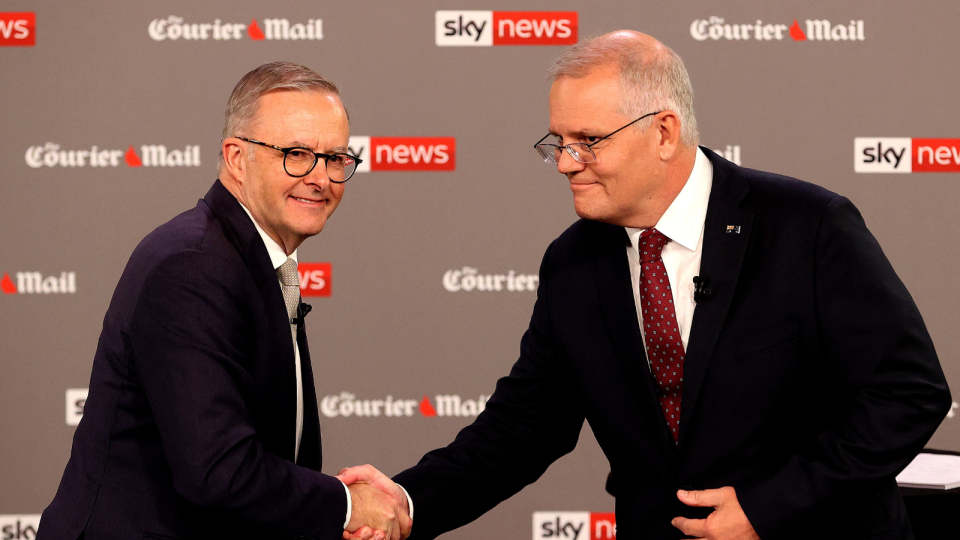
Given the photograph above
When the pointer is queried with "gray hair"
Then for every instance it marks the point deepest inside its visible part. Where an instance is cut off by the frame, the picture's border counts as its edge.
(651, 79)
(243, 104)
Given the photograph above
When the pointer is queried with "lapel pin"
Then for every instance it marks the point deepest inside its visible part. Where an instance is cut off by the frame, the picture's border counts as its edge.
(735, 229)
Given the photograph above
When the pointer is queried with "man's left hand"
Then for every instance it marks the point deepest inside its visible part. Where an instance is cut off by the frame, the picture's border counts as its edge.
(727, 522)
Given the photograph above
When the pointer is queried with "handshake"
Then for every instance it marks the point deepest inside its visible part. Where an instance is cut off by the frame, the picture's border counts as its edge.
(380, 510)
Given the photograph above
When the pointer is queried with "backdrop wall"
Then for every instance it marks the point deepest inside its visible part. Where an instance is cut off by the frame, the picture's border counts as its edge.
(112, 114)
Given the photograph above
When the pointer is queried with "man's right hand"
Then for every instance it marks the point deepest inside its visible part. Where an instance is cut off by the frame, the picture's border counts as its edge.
(368, 475)
(376, 515)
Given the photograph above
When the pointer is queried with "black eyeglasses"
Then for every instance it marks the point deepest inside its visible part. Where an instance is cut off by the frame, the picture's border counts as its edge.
(299, 161)
(581, 152)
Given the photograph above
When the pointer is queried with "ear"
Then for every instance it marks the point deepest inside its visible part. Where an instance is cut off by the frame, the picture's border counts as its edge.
(234, 158)
(668, 126)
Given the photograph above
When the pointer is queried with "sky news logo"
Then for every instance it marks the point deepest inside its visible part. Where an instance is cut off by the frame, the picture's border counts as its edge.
(905, 155)
(346, 404)
(574, 526)
(315, 278)
(717, 28)
(18, 29)
(76, 399)
(487, 28)
(37, 283)
(175, 28)
(151, 155)
(404, 153)
(19, 527)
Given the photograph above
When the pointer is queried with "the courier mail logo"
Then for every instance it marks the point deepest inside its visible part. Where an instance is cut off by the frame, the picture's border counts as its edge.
(151, 155)
(36, 283)
(404, 153)
(175, 27)
(487, 28)
(905, 155)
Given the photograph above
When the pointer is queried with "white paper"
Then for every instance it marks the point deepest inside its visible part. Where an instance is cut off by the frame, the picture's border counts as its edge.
(932, 471)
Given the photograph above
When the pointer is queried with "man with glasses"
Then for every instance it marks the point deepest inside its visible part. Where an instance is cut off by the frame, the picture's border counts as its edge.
(746, 356)
(201, 421)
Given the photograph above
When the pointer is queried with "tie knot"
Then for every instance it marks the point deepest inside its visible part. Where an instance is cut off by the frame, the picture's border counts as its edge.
(651, 245)
(288, 273)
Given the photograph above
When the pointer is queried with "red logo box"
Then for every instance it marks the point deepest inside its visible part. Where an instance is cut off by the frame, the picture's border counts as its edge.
(413, 153)
(936, 155)
(315, 278)
(603, 526)
(18, 29)
(535, 27)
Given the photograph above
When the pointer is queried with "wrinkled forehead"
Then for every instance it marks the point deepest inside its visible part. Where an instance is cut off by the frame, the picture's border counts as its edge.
(584, 103)
(278, 102)
(600, 89)
(300, 112)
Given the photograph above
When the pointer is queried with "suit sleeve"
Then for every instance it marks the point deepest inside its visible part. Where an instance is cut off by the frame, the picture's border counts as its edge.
(892, 394)
(189, 333)
(530, 421)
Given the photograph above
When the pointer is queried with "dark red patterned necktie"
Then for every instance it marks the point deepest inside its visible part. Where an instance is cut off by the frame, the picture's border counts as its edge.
(660, 328)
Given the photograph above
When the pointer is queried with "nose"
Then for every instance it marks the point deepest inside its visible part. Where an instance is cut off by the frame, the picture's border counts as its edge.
(566, 164)
(318, 177)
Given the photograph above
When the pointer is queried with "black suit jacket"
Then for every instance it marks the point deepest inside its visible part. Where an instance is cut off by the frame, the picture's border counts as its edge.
(189, 427)
(810, 380)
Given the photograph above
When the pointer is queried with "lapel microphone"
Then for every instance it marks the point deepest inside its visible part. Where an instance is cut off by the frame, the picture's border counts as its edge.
(700, 290)
(302, 311)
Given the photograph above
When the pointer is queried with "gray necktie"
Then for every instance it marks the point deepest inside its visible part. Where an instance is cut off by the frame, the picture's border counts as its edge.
(291, 292)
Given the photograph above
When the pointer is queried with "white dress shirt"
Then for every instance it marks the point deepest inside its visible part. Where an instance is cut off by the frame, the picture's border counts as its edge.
(682, 223)
(277, 257)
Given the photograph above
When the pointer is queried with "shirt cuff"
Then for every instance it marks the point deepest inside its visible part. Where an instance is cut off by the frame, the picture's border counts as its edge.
(409, 501)
(350, 505)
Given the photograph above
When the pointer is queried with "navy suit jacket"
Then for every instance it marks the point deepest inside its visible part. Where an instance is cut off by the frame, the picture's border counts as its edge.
(810, 380)
(189, 427)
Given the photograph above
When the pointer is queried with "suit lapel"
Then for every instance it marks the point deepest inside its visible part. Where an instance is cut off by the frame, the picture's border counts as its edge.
(311, 453)
(720, 262)
(615, 292)
(239, 229)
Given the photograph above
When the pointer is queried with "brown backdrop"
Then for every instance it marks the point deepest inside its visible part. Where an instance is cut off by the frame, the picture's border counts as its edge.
(392, 329)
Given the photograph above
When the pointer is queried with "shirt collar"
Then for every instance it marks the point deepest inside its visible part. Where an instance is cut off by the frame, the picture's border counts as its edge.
(276, 253)
(683, 220)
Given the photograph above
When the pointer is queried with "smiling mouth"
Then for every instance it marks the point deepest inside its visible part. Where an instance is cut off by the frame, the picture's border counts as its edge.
(307, 201)
(579, 180)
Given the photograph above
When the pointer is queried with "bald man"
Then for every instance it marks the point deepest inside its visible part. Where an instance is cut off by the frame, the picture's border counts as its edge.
(747, 358)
